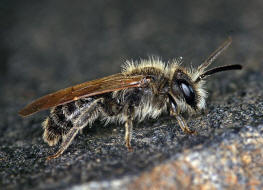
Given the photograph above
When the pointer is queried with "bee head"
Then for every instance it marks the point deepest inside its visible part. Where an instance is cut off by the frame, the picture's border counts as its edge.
(187, 86)
(183, 90)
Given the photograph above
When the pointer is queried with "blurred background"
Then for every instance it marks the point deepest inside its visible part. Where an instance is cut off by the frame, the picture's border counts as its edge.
(49, 45)
(54, 44)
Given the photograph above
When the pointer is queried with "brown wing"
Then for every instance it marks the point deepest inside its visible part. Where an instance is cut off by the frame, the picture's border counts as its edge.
(86, 89)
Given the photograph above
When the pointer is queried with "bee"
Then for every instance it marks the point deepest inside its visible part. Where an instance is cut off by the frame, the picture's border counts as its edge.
(142, 90)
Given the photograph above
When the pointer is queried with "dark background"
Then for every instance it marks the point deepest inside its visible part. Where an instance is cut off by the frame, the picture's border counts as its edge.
(49, 45)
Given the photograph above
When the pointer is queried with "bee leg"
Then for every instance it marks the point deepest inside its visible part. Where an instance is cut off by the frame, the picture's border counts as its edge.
(183, 125)
(128, 133)
(90, 114)
(66, 142)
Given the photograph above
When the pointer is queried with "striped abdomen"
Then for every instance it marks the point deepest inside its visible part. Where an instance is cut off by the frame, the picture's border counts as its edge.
(62, 119)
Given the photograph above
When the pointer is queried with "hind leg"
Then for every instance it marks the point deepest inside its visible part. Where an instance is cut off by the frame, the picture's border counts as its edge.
(89, 115)
(66, 142)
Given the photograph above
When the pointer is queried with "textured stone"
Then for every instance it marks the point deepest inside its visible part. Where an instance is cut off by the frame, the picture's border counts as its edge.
(234, 162)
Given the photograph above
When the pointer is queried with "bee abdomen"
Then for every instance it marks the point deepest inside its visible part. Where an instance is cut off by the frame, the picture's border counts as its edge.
(55, 126)
(62, 119)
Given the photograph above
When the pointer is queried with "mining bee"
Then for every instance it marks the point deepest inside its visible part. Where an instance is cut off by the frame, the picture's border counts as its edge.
(143, 89)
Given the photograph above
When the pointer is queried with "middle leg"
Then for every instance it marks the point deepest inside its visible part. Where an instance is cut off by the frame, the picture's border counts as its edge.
(128, 133)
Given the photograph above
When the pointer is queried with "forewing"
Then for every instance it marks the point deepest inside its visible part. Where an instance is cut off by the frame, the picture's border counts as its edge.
(86, 89)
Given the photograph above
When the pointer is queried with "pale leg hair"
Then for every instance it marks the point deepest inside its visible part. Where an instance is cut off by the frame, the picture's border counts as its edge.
(87, 117)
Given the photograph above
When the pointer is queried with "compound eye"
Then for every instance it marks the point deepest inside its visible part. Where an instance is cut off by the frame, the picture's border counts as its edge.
(188, 92)
(186, 89)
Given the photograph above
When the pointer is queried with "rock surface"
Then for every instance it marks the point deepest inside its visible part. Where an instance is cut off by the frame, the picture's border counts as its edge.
(50, 45)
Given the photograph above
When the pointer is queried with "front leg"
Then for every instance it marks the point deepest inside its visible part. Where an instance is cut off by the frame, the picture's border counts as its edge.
(183, 125)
